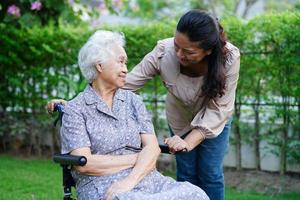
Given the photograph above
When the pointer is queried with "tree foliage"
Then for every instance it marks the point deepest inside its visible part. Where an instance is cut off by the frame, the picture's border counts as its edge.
(29, 13)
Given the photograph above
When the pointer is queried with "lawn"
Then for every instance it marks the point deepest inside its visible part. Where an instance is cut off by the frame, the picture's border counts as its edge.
(30, 179)
(35, 179)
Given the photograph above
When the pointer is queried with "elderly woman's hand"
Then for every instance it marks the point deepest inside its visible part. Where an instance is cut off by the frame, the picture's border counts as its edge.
(123, 185)
(176, 143)
(51, 103)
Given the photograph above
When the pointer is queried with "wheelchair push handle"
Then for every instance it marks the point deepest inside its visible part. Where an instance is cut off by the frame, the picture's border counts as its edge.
(59, 107)
(65, 159)
(165, 149)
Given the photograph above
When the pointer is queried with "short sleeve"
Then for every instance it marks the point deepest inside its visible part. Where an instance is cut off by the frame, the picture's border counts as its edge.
(73, 130)
(143, 117)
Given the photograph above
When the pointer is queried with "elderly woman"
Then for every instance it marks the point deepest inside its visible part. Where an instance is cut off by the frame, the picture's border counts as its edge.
(108, 125)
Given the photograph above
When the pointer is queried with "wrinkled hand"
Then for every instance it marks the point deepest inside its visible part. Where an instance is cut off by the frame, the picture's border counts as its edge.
(123, 185)
(175, 144)
(50, 104)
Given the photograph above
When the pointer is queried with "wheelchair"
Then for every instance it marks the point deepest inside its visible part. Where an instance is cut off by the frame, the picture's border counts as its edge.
(67, 161)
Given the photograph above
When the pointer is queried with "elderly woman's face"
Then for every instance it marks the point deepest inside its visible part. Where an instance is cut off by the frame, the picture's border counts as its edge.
(115, 70)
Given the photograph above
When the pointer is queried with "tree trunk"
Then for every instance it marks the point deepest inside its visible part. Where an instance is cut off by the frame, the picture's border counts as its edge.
(256, 108)
(236, 6)
(257, 138)
(249, 4)
(284, 137)
(237, 135)
(155, 105)
(212, 5)
(298, 125)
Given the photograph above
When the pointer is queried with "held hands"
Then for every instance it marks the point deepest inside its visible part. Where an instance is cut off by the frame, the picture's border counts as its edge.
(175, 144)
(123, 185)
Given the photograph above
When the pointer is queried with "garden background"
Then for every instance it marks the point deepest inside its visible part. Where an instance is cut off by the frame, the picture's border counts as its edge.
(39, 43)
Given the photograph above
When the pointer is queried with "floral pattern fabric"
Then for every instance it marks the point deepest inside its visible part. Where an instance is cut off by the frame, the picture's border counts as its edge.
(88, 122)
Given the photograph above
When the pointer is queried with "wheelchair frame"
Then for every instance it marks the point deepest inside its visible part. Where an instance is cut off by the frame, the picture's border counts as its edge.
(67, 161)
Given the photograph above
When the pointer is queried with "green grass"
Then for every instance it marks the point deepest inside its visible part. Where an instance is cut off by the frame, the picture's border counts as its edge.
(29, 179)
(22, 179)
(232, 194)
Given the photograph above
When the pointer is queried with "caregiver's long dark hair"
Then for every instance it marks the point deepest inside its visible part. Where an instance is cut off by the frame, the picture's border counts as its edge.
(200, 26)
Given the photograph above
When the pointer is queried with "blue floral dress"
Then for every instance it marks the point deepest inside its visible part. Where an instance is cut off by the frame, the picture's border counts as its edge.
(88, 122)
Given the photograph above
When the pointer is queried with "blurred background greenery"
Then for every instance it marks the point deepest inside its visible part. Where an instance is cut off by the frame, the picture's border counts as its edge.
(40, 40)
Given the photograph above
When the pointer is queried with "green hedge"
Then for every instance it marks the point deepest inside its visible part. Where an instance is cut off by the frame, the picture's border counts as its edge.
(269, 82)
(40, 63)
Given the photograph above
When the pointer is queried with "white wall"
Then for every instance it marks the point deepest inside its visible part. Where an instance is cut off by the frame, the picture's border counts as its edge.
(269, 161)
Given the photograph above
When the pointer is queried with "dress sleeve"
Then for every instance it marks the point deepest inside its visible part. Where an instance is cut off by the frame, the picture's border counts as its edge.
(143, 117)
(73, 131)
(210, 121)
(146, 69)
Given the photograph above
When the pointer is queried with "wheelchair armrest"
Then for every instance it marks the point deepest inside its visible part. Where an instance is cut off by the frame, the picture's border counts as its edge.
(65, 159)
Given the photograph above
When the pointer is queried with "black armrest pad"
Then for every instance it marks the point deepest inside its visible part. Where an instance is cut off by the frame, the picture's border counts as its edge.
(65, 159)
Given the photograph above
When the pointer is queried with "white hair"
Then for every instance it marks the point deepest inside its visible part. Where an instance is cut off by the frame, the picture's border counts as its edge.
(97, 50)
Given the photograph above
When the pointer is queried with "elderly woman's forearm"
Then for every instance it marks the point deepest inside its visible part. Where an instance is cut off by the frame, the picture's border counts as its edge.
(99, 165)
(145, 163)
